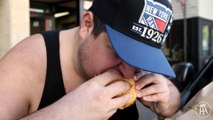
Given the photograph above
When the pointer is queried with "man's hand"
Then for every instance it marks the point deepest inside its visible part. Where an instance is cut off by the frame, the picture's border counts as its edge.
(94, 100)
(158, 93)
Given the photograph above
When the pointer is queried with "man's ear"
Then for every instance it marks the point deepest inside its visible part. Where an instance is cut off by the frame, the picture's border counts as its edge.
(87, 24)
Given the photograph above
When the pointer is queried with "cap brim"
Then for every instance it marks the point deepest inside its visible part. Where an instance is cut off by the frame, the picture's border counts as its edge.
(138, 54)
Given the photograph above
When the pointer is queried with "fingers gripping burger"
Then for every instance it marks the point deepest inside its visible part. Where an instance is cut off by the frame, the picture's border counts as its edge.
(132, 90)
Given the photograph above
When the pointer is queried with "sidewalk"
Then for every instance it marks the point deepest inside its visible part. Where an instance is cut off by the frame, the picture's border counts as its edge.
(145, 113)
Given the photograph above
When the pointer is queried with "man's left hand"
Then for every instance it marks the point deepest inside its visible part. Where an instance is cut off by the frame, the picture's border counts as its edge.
(158, 93)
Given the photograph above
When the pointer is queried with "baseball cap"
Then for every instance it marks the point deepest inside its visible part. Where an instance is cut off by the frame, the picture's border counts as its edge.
(137, 29)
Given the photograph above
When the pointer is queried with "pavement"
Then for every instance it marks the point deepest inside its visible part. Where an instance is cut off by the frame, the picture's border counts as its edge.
(145, 113)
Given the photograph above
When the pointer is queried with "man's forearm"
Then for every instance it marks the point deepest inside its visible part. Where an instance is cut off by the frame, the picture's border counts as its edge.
(47, 113)
(55, 111)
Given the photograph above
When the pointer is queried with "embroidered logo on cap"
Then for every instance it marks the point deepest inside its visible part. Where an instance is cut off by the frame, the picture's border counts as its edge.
(154, 22)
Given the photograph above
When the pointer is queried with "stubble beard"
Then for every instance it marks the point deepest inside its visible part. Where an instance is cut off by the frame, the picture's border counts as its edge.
(82, 58)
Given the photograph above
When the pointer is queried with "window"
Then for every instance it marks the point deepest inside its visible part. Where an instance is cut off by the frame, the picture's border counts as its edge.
(206, 40)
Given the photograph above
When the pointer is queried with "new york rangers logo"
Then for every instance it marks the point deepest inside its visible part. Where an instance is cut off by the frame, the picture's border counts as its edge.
(154, 23)
(155, 15)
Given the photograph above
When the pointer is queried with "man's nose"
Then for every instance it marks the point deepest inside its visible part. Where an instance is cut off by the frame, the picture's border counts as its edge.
(126, 70)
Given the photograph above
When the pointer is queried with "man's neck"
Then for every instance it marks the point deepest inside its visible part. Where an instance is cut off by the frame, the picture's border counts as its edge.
(69, 42)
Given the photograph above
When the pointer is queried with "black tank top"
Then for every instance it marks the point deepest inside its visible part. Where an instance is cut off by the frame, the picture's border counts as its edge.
(54, 86)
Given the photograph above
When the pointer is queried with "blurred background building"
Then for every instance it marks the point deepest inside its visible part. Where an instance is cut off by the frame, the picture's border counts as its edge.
(191, 37)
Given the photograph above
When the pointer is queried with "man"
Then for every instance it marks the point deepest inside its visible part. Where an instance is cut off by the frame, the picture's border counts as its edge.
(66, 74)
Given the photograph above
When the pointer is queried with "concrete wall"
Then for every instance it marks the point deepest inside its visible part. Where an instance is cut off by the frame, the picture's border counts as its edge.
(14, 23)
(194, 8)
(4, 32)
(205, 9)
(191, 9)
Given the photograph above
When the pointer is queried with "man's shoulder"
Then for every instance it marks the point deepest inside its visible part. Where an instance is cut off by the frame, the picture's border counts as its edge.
(32, 46)
(28, 55)
(23, 71)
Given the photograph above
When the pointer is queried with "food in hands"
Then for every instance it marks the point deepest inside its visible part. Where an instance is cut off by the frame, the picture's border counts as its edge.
(132, 90)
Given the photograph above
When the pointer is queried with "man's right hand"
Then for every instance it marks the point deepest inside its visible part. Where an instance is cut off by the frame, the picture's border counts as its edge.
(94, 100)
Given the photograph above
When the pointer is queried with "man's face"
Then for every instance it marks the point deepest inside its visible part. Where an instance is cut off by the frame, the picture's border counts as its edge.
(96, 56)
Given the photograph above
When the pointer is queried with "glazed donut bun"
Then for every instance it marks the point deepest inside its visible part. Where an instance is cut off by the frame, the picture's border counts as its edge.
(132, 91)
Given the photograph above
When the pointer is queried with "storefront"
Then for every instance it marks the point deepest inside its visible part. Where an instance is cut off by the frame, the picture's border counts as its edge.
(196, 45)
(53, 14)
(56, 14)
